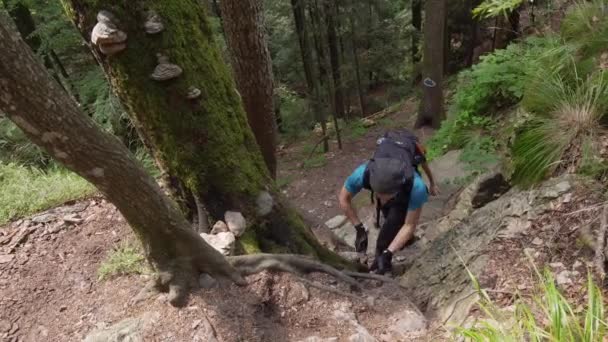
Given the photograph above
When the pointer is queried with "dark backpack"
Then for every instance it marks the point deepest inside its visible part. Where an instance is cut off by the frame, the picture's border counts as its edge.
(392, 163)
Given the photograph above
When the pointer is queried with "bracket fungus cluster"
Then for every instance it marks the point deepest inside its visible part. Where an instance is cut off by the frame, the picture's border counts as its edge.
(164, 70)
(106, 35)
(193, 93)
(154, 23)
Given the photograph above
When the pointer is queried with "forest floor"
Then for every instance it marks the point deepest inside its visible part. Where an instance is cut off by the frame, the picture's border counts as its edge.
(50, 288)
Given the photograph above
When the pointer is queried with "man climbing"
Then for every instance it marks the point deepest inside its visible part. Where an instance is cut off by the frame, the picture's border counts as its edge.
(393, 177)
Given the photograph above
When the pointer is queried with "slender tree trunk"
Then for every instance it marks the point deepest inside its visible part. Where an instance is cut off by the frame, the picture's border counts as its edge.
(334, 54)
(52, 120)
(299, 14)
(470, 39)
(370, 30)
(205, 143)
(356, 60)
(417, 25)
(431, 107)
(244, 29)
(322, 79)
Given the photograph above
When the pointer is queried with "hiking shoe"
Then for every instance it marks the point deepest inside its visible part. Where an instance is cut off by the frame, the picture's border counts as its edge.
(361, 239)
(385, 262)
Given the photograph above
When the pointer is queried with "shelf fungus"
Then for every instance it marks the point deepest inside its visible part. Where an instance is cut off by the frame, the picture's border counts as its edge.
(106, 36)
(154, 23)
(164, 70)
(193, 93)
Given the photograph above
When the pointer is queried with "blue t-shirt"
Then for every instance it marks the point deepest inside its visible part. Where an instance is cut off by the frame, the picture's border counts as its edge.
(418, 196)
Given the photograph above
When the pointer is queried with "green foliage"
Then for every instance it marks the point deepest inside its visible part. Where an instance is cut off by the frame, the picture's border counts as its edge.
(296, 117)
(316, 161)
(16, 147)
(494, 8)
(27, 190)
(559, 125)
(497, 81)
(124, 260)
(354, 130)
(549, 318)
(586, 25)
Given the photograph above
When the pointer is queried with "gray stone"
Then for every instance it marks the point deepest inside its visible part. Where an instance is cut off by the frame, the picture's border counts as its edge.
(72, 219)
(557, 265)
(264, 203)
(222, 242)
(44, 218)
(362, 335)
(236, 222)
(128, 330)
(219, 227)
(350, 256)
(335, 222)
(563, 278)
(407, 323)
(537, 241)
(6, 258)
(297, 294)
(206, 281)
(577, 264)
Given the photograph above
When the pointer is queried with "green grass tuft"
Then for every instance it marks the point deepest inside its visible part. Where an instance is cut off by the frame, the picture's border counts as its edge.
(27, 190)
(126, 259)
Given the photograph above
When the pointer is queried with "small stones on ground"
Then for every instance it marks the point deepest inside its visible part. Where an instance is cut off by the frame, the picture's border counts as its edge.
(577, 264)
(537, 241)
(196, 323)
(371, 301)
(6, 258)
(44, 218)
(557, 265)
(563, 278)
(297, 294)
(319, 339)
(73, 219)
(63, 308)
(529, 251)
(219, 227)
(236, 222)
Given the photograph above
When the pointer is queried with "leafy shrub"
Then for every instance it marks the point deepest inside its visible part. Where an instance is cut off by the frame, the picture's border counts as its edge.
(586, 24)
(16, 147)
(27, 190)
(296, 118)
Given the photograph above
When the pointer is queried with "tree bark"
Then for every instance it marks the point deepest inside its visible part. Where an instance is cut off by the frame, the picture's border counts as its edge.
(334, 55)
(52, 120)
(244, 29)
(356, 60)
(431, 107)
(205, 143)
(417, 25)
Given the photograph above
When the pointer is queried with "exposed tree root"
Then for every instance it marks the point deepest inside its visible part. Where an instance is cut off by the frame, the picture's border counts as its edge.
(328, 288)
(296, 264)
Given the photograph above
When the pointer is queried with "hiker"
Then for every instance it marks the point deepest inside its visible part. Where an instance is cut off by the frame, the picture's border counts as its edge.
(399, 190)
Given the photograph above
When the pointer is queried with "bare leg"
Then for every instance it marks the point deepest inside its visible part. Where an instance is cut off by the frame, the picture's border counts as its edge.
(406, 232)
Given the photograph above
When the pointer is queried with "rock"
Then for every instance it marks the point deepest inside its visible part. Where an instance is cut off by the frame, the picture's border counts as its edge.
(196, 323)
(44, 218)
(362, 335)
(6, 258)
(264, 203)
(297, 294)
(335, 222)
(406, 324)
(350, 256)
(557, 265)
(222, 242)
(563, 278)
(14, 329)
(529, 251)
(328, 204)
(371, 301)
(219, 227)
(206, 281)
(537, 241)
(129, 329)
(567, 198)
(319, 339)
(556, 190)
(577, 264)
(73, 219)
(236, 222)
(345, 316)
(5, 326)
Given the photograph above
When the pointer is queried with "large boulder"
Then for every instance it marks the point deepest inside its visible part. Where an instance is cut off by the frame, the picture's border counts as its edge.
(223, 242)
(236, 222)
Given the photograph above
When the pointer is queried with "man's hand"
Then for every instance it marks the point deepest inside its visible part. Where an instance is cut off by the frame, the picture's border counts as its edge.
(434, 190)
(361, 239)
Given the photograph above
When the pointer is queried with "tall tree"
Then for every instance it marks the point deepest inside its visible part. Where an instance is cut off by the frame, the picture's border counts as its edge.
(204, 142)
(431, 106)
(354, 40)
(244, 28)
(416, 6)
(299, 15)
(331, 13)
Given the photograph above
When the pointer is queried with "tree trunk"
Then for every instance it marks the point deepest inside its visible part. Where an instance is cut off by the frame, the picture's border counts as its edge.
(244, 29)
(370, 30)
(205, 143)
(52, 120)
(299, 15)
(417, 25)
(356, 60)
(431, 107)
(334, 55)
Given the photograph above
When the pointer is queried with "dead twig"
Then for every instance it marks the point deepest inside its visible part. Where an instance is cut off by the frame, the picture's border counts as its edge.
(600, 257)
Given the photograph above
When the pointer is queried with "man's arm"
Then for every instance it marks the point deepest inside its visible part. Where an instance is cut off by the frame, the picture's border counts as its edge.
(434, 189)
(345, 198)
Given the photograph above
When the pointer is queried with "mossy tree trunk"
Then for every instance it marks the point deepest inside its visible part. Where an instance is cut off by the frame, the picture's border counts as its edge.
(206, 143)
(244, 28)
(52, 120)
